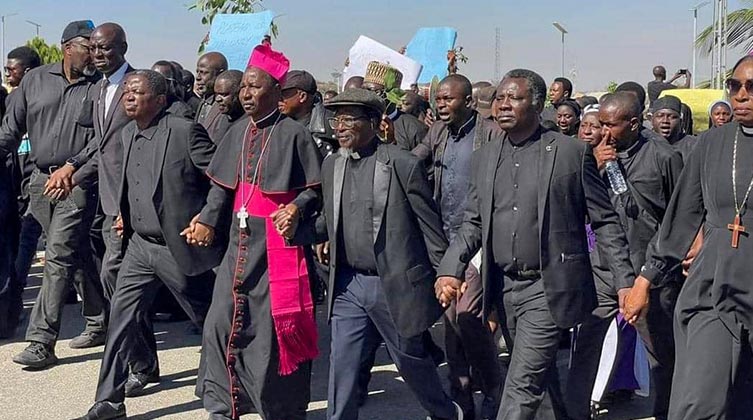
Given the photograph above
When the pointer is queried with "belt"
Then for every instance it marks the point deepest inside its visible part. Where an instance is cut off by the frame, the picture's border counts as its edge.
(157, 240)
(49, 170)
(524, 274)
(372, 273)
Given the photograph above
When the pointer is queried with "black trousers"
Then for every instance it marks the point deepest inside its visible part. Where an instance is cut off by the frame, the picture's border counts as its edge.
(10, 287)
(113, 257)
(145, 267)
(531, 389)
(713, 377)
(359, 316)
(656, 332)
(68, 258)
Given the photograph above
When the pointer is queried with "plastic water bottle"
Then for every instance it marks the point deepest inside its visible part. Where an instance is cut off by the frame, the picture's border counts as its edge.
(616, 180)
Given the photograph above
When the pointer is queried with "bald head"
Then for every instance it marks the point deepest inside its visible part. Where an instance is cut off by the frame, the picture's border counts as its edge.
(209, 66)
(355, 82)
(108, 47)
(625, 103)
(660, 73)
(475, 89)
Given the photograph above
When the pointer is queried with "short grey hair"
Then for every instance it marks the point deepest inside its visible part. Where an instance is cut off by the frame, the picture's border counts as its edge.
(536, 85)
(156, 82)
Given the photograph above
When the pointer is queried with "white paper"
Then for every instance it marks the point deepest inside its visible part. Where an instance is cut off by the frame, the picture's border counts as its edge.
(366, 49)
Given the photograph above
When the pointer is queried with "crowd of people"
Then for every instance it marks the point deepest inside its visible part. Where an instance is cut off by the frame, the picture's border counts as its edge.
(555, 221)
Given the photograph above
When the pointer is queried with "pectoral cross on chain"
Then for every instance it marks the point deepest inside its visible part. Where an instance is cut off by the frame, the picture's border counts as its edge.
(242, 216)
(736, 229)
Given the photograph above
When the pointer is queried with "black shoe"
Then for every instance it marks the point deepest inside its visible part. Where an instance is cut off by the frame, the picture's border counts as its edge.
(489, 408)
(105, 410)
(464, 399)
(138, 381)
(88, 339)
(36, 355)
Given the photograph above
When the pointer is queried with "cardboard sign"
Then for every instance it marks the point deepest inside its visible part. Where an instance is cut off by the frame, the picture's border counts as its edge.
(235, 35)
(366, 49)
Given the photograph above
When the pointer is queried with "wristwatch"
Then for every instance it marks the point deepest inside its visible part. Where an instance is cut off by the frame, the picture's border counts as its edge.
(73, 162)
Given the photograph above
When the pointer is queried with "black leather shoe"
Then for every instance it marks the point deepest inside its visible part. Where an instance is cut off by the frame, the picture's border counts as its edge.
(105, 410)
(88, 339)
(36, 355)
(138, 381)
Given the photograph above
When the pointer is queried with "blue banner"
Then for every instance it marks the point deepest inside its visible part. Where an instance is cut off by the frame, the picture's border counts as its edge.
(429, 47)
(235, 35)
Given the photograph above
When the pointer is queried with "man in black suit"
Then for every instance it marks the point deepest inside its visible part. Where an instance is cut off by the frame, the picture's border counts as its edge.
(531, 193)
(386, 238)
(163, 187)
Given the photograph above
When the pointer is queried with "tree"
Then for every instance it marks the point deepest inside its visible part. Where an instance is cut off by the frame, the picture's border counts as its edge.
(739, 30)
(210, 9)
(48, 53)
(612, 86)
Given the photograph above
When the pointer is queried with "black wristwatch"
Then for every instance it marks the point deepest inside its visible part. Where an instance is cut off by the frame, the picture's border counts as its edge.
(73, 162)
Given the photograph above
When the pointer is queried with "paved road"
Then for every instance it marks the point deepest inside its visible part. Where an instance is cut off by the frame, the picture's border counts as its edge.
(67, 390)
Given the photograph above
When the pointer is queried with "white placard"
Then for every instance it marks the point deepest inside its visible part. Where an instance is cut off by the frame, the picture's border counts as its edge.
(366, 49)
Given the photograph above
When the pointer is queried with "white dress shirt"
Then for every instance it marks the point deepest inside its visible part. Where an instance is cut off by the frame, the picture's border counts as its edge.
(114, 81)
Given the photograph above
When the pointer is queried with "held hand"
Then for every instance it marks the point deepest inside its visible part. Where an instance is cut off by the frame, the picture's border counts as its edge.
(387, 129)
(429, 117)
(636, 303)
(286, 219)
(447, 289)
(198, 233)
(622, 295)
(60, 179)
(117, 226)
(692, 253)
(322, 252)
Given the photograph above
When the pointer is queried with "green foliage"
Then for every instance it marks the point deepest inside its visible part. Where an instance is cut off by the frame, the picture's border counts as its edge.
(612, 86)
(210, 9)
(739, 31)
(48, 53)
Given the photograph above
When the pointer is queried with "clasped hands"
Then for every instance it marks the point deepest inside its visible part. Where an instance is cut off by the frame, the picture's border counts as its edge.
(60, 183)
(198, 233)
(285, 219)
(634, 300)
(448, 288)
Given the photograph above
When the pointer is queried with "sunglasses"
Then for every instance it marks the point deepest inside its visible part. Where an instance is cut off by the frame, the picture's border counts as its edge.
(733, 86)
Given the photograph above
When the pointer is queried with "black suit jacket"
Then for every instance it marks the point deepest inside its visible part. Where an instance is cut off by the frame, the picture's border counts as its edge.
(408, 237)
(106, 149)
(570, 193)
(184, 151)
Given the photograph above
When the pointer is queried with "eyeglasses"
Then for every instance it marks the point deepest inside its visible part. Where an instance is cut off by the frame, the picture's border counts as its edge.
(88, 48)
(734, 86)
(347, 122)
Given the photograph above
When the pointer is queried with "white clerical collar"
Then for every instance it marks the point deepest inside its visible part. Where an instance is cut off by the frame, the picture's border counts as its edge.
(268, 116)
(119, 75)
(748, 131)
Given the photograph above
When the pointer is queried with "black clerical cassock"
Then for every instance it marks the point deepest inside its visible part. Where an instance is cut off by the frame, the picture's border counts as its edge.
(714, 314)
(245, 355)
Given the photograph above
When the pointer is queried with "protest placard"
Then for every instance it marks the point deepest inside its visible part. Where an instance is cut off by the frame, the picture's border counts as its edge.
(235, 35)
(429, 47)
(366, 49)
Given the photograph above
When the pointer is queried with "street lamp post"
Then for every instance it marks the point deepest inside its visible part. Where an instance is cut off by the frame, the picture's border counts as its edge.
(563, 31)
(695, 34)
(37, 25)
(2, 32)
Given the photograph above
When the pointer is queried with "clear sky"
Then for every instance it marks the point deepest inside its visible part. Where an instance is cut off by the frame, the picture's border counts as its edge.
(608, 39)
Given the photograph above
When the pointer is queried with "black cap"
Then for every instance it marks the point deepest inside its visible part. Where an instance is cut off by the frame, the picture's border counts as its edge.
(76, 29)
(357, 97)
(300, 79)
(667, 102)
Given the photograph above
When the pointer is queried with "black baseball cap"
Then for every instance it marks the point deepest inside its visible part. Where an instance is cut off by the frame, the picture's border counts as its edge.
(300, 79)
(79, 28)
